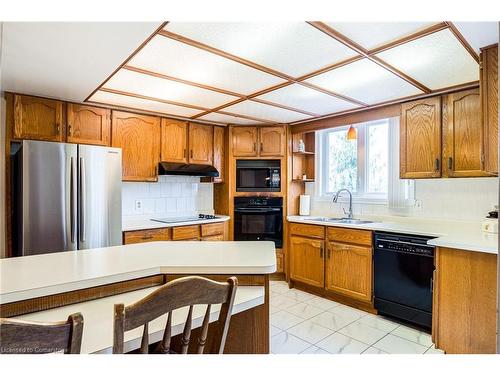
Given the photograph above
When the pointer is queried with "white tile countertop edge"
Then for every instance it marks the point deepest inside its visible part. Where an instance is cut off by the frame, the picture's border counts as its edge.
(458, 235)
(129, 224)
(34, 276)
(98, 317)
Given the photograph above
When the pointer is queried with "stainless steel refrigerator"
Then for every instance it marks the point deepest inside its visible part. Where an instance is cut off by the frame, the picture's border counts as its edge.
(65, 197)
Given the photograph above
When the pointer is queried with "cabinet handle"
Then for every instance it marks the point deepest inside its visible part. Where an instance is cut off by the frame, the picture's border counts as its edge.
(437, 163)
(261, 146)
(328, 253)
(450, 163)
(254, 146)
(191, 153)
(58, 128)
(146, 237)
(321, 251)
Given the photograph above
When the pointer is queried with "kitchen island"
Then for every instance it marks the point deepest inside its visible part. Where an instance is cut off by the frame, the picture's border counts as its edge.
(47, 287)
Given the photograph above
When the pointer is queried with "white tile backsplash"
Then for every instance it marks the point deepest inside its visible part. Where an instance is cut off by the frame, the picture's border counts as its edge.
(463, 199)
(170, 196)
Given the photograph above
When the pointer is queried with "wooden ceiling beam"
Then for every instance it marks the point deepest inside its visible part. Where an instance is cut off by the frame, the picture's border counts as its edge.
(164, 101)
(463, 41)
(136, 51)
(365, 53)
(284, 107)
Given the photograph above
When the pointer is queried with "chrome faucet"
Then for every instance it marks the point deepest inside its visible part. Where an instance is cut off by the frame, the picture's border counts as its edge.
(336, 197)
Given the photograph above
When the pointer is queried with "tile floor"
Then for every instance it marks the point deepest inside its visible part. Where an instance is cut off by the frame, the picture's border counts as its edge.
(307, 324)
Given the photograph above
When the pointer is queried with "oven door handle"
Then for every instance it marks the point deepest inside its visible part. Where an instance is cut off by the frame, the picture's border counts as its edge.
(256, 210)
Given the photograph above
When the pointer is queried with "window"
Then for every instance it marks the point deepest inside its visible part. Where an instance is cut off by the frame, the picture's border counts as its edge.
(360, 165)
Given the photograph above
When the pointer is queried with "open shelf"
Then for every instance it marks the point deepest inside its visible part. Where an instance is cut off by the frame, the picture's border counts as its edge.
(302, 180)
(303, 152)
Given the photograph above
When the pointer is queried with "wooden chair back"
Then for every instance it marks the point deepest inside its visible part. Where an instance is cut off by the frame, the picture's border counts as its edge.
(182, 292)
(23, 337)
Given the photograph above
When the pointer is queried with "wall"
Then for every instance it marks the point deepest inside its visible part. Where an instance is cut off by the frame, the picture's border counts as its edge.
(170, 196)
(464, 199)
(2, 156)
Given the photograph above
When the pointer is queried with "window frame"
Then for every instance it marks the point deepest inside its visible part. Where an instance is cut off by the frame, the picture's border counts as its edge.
(361, 195)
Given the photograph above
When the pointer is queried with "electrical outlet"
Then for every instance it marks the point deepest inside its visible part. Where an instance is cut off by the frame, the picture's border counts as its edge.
(418, 205)
(138, 205)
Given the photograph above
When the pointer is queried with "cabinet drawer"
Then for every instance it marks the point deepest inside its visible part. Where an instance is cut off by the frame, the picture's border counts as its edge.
(217, 237)
(351, 236)
(138, 236)
(212, 229)
(191, 232)
(307, 230)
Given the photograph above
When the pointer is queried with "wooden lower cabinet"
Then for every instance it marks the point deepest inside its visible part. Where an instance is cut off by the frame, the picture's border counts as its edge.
(204, 232)
(147, 235)
(307, 262)
(464, 306)
(349, 270)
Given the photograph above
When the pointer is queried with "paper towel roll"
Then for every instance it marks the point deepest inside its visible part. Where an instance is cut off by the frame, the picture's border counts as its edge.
(305, 205)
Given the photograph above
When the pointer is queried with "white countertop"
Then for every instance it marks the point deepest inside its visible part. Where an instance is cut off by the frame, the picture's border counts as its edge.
(40, 275)
(98, 317)
(141, 223)
(458, 235)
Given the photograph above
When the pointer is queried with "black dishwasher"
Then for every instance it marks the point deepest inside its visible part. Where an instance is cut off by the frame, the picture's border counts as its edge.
(403, 270)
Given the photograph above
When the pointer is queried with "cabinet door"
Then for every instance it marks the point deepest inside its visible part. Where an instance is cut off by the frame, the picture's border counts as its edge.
(244, 141)
(420, 139)
(38, 118)
(463, 135)
(272, 141)
(349, 270)
(174, 141)
(88, 125)
(219, 153)
(465, 301)
(139, 138)
(489, 102)
(201, 138)
(307, 261)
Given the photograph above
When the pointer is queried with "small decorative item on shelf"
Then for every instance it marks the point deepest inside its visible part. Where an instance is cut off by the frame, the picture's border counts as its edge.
(301, 146)
(304, 176)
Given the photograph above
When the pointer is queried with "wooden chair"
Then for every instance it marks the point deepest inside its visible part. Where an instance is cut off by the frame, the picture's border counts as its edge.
(23, 337)
(182, 292)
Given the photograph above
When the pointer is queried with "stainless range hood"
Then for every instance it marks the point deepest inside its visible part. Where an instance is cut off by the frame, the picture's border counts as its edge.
(181, 169)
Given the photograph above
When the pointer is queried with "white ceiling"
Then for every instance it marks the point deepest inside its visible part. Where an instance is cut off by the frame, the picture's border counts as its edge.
(187, 77)
(66, 60)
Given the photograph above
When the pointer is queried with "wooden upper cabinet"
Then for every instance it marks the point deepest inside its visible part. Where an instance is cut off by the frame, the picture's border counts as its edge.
(420, 139)
(201, 138)
(174, 137)
(272, 141)
(88, 125)
(463, 134)
(349, 270)
(219, 153)
(307, 262)
(244, 141)
(139, 138)
(38, 118)
(489, 102)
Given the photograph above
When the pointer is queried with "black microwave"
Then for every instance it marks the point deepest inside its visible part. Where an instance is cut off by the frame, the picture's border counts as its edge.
(258, 175)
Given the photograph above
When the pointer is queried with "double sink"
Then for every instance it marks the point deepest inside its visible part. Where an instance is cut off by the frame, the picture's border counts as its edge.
(340, 220)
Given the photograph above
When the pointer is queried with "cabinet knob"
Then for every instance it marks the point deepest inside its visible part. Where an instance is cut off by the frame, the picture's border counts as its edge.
(70, 132)
(450, 163)
(321, 251)
(191, 153)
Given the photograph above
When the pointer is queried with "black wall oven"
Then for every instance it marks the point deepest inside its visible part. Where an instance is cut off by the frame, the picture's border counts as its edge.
(259, 219)
(258, 175)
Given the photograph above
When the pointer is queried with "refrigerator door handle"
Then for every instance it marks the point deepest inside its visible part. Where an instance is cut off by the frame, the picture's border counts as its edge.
(83, 200)
(72, 193)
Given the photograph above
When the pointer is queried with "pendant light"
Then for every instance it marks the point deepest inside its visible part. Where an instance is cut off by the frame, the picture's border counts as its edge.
(352, 133)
